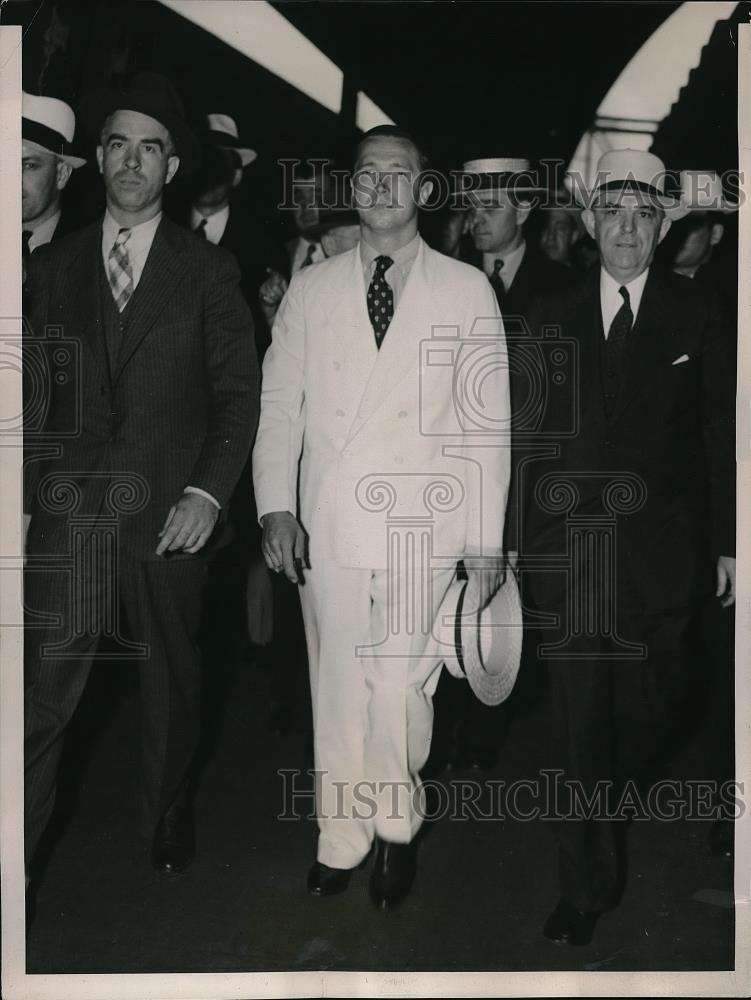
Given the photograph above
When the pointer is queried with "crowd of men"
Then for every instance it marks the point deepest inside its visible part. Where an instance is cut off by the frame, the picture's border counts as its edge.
(586, 475)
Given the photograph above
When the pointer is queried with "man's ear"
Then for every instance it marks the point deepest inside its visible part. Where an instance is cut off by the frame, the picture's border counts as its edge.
(588, 218)
(664, 227)
(718, 231)
(64, 170)
(100, 157)
(237, 177)
(522, 212)
(425, 192)
(173, 163)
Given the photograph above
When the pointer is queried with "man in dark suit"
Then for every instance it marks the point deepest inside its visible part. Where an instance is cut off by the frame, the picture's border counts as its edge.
(47, 161)
(628, 518)
(218, 215)
(499, 194)
(141, 440)
(501, 200)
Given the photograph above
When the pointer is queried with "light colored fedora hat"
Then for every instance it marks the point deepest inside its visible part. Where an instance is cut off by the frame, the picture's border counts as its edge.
(498, 173)
(49, 125)
(483, 647)
(702, 191)
(634, 170)
(224, 134)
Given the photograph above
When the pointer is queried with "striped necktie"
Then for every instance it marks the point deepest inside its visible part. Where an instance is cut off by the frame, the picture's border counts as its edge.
(119, 270)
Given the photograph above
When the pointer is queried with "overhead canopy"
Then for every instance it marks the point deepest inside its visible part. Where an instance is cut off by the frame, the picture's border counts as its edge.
(648, 86)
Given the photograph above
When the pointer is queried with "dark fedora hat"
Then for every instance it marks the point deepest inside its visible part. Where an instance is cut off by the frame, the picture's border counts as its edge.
(150, 94)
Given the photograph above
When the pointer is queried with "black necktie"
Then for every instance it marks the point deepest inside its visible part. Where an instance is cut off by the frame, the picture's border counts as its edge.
(200, 229)
(380, 299)
(621, 326)
(25, 237)
(496, 281)
(309, 255)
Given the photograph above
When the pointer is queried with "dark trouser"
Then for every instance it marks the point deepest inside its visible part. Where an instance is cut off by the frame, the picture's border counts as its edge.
(162, 602)
(610, 721)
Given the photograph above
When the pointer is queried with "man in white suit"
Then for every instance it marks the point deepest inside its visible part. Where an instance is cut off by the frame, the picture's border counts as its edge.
(360, 391)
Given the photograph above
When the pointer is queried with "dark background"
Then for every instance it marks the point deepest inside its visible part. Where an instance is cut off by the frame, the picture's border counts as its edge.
(468, 79)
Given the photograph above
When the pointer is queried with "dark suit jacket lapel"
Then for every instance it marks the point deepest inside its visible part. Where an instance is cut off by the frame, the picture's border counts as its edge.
(82, 285)
(588, 327)
(165, 266)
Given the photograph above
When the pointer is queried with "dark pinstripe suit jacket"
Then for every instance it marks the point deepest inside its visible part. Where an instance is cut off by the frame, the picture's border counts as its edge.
(179, 407)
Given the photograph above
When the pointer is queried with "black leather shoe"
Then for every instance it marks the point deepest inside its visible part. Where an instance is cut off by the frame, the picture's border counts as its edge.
(174, 842)
(325, 881)
(393, 873)
(565, 925)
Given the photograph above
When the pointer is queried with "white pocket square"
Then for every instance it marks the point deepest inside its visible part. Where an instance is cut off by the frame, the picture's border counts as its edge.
(681, 359)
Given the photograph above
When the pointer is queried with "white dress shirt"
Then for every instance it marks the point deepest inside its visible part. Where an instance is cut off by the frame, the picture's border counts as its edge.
(397, 274)
(138, 247)
(215, 224)
(611, 299)
(511, 264)
(43, 232)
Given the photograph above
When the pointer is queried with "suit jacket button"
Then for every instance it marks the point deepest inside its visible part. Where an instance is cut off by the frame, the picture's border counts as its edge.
(340, 413)
(608, 444)
(402, 413)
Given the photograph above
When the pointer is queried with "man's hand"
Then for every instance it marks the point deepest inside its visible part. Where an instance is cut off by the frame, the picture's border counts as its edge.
(726, 580)
(272, 291)
(284, 545)
(189, 525)
(489, 578)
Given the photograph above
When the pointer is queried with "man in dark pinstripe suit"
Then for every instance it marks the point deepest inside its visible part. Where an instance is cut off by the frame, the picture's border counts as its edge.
(149, 403)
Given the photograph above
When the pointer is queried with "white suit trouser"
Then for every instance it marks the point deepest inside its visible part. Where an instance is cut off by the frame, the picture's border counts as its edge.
(372, 714)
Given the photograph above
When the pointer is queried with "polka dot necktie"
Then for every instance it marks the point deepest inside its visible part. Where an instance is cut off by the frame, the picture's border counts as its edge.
(380, 299)
(200, 229)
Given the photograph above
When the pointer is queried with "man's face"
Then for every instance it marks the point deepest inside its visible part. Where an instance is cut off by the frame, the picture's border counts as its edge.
(558, 235)
(213, 183)
(496, 223)
(627, 230)
(309, 197)
(385, 195)
(696, 238)
(43, 176)
(136, 161)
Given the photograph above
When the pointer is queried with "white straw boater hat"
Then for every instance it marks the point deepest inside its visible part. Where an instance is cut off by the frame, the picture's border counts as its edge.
(49, 125)
(483, 647)
(494, 174)
(702, 191)
(630, 171)
(223, 132)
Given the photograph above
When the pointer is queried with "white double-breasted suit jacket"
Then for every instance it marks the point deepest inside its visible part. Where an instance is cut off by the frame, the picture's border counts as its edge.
(416, 430)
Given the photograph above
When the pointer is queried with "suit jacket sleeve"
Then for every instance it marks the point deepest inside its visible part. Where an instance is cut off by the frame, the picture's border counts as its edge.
(233, 380)
(718, 417)
(491, 451)
(280, 433)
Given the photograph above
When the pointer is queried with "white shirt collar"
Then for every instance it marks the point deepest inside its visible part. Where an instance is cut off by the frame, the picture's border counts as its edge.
(43, 232)
(140, 235)
(611, 300)
(215, 224)
(511, 263)
(138, 245)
